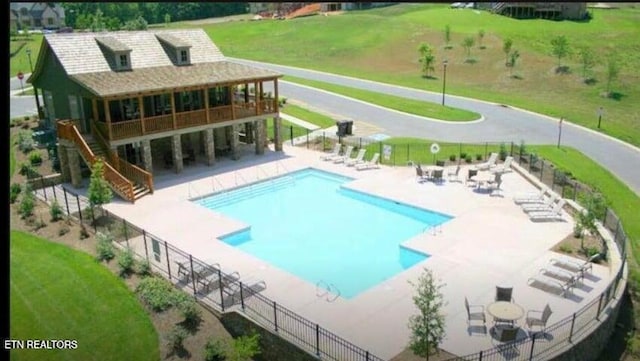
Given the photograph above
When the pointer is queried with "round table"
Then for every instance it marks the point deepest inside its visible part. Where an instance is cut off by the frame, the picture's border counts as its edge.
(505, 311)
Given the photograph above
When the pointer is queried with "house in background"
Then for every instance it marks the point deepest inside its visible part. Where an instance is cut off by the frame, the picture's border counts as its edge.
(542, 10)
(24, 15)
(147, 101)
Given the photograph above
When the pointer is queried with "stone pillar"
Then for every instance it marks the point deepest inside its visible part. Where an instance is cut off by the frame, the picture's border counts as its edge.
(64, 163)
(277, 136)
(263, 133)
(209, 146)
(147, 160)
(259, 125)
(195, 142)
(74, 166)
(220, 137)
(248, 130)
(232, 135)
(176, 147)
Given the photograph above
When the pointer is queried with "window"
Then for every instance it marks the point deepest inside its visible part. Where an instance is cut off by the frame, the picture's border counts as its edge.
(50, 21)
(124, 61)
(73, 107)
(184, 58)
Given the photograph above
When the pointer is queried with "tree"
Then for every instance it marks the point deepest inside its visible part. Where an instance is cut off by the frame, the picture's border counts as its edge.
(98, 22)
(427, 59)
(99, 192)
(167, 19)
(467, 43)
(513, 57)
(245, 347)
(588, 60)
(559, 47)
(447, 36)
(506, 48)
(480, 38)
(427, 328)
(612, 72)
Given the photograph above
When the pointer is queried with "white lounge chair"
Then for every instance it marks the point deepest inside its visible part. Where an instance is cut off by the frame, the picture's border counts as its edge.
(357, 160)
(345, 156)
(490, 163)
(334, 153)
(553, 215)
(504, 167)
(373, 163)
(544, 206)
(548, 284)
(576, 267)
(530, 197)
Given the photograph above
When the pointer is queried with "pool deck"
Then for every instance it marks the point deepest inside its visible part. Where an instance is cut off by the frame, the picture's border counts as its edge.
(489, 242)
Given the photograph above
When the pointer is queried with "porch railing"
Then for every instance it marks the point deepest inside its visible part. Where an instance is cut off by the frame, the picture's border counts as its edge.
(191, 118)
(158, 123)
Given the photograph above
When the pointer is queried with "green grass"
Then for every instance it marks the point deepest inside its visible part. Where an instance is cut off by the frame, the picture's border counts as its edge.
(12, 157)
(386, 52)
(320, 120)
(411, 106)
(20, 61)
(59, 293)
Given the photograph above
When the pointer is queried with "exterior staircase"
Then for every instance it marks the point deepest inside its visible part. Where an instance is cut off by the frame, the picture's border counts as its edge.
(499, 7)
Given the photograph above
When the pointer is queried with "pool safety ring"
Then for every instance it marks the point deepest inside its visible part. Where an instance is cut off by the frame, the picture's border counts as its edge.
(435, 148)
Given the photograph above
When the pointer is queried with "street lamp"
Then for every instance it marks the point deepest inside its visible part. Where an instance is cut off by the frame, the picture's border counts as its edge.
(35, 90)
(599, 116)
(444, 80)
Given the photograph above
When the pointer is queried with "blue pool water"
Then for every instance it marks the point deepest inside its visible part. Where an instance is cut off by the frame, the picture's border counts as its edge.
(307, 224)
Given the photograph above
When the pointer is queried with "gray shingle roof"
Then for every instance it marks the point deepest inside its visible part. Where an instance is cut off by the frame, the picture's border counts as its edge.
(173, 41)
(112, 43)
(165, 77)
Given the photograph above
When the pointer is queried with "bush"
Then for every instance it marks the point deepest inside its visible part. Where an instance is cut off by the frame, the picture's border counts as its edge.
(39, 223)
(188, 308)
(56, 211)
(478, 156)
(215, 351)
(144, 268)
(156, 293)
(83, 232)
(452, 157)
(104, 247)
(463, 155)
(28, 203)
(176, 337)
(25, 142)
(245, 347)
(26, 169)
(468, 159)
(126, 262)
(14, 191)
(566, 248)
(35, 158)
(64, 229)
(503, 151)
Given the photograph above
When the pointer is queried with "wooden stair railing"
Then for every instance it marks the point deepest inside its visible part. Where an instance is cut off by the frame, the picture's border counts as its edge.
(131, 171)
(121, 185)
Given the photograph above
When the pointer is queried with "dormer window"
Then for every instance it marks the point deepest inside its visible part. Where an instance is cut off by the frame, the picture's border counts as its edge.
(119, 53)
(183, 56)
(124, 61)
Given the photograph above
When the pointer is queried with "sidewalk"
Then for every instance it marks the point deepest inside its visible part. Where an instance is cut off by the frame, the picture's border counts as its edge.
(300, 122)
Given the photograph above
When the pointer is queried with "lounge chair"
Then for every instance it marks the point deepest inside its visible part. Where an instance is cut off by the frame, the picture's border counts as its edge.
(548, 284)
(490, 163)
(546, 205)
(345, 156)
(357, 160)
(531, 197)
(213, 282)
(334, 153)
(249, 287)
(504, 167)
(554, 214)
(373, 163)
(576, 267)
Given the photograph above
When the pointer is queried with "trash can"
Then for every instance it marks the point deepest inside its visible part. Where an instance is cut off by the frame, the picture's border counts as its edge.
(349, 129)
(342, 128)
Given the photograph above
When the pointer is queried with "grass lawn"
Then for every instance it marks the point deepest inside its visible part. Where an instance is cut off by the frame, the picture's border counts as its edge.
(12, 157)
(387, 52)
(20, 61)
(417, 107)
(59, 293)
(320, 120)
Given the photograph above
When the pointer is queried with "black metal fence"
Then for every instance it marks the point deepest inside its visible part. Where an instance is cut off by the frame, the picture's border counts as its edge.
(223, 290)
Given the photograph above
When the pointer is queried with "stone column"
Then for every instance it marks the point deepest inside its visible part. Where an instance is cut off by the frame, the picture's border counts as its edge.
(147, 160)
(248, 130)
(64, 163)
(232, 135)
(263, 133)
(209, 146)
(259, 125)
(220, 137)
(176, 147)
(277, 136)
(195, 142)
(74, 166)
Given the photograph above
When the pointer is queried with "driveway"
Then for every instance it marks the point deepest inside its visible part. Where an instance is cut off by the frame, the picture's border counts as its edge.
(499, 123)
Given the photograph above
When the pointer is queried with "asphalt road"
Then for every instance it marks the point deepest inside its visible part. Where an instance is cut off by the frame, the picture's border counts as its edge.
(499, 124)
(21, 105)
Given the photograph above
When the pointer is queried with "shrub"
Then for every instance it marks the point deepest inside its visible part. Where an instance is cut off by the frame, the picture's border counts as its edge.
(523, 148)
(126, 262)
(64, 229)
(35, 158)
(25, 142)
(14, 191)
(463, 155)
(478, 156)
(56, 211)
(26, 169)
(566, 248)
(88, 213)
(144, 268)
(452, 157)
(39, 223)
(245, 347)
(503, 151)
(468, 159)
(188, 308)
(28, 203)
(84, 233)
(590, 251)
(215, 351)
(156, 293)
(176, 337)
(104, 247)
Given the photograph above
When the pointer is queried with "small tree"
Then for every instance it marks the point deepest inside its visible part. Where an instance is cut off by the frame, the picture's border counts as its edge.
(513, 57)
(427, 328)
(245, 347)
(27, 203)
(447, 36)
(588, 60)
(98, 21)
(427, 59)
(480, 38)
(167, 19)
(559, 47)
(99, 192)
(467, 44)
(506, 48)
(612, 72)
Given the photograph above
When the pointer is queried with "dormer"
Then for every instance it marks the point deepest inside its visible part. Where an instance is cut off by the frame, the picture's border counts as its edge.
(176, 48)
(120, 53)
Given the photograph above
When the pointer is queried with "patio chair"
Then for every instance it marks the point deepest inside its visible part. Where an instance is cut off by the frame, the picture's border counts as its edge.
(507, 337)
(437, 175)
(546, 205)
(420, 173)
(504, 167)
(357, 160)
(494, 185)
(490, 163)
(538, 318)
(372, 163)
(453, 173)
(345, 156)
(334, 153)
(578, 268)
(474, 313)
(531, 197)
(472, 173)
(504, 294)
(554, 214)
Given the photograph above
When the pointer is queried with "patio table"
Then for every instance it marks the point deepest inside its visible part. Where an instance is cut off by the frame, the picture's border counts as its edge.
(505, 311)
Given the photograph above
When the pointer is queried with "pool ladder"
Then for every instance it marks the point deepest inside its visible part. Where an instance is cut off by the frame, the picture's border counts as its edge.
(324, 289)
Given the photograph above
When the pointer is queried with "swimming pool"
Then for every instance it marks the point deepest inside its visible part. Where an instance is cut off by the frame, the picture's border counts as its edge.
(307, 224)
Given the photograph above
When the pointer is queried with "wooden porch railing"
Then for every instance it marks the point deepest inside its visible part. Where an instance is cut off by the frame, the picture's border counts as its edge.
(158, 123)
(121, 185)
(219, 114)
(126, 129)
(191, 118)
